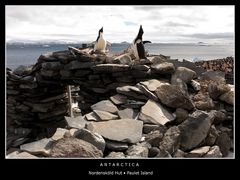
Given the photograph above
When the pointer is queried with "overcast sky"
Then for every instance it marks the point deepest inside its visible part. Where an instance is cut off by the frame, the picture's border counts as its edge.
(210, 24)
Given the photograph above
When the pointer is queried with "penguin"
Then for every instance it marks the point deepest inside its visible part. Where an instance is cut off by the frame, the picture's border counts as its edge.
(100, 44)
(138, 45)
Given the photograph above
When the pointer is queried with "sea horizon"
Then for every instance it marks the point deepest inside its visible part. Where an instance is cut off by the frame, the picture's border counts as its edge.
(27, 53)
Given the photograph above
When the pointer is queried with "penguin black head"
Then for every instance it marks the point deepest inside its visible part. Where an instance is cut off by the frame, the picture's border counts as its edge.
(101, 30)
(140, 33)
(140, 30)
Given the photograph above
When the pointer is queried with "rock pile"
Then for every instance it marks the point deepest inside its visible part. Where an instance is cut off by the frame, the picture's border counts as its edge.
(155, 107)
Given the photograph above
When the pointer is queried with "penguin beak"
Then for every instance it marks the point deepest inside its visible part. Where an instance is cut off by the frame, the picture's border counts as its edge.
(101, 30)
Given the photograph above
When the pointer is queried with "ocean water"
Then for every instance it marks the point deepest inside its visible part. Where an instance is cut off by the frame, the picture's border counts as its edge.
(28, 54)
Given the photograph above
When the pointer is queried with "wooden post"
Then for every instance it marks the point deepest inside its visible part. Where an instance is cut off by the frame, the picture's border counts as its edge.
(70, 100)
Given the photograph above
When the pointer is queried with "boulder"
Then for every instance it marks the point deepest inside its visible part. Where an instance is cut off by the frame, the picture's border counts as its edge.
(157, 59)
(228, 97)
(124, 130)
(220, 116)
(174, 97)
(115, 155)
(214, 152)
(198, 152)
(105, 105)
(203, 101)
(211, 137)
(52, 66)
(163, 68)
(138, 150)
(153, 151)
(224, 143)
(183, 73)
(181, 115)
(216, 89)
(154, 113)
(41, 147)
(215, 76)
(23, 70)
(103, 115)
(124, 59)
(195, 129)
(196, 85)
(171, 140)
(179, 154)
(73, 147)
(93, 138)
(116, 146)
(154, 138)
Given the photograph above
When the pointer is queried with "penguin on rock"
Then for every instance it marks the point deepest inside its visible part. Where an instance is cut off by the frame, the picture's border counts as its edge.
(138, 45)
(100, 43)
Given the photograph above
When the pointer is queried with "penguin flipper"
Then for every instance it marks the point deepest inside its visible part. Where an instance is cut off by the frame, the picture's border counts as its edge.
(144, 42)
(141, 51)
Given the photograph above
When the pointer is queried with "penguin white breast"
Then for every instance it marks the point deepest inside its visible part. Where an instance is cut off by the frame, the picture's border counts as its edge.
(134, 48)
(100, 44)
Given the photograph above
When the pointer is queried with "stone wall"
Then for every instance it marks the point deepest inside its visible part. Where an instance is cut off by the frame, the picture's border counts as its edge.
(144, 90)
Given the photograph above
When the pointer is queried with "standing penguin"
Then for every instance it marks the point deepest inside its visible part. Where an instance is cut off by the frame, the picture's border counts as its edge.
(100, 44)
(138, 45)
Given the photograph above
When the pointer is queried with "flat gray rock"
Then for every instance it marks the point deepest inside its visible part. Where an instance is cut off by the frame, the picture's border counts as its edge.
(127, 113)
(141, 67)
(152, 84)
(21, 155)
(148, 93)
(131, 91)
(110, 67)
(154, 113)
(195, 129)
(92, 117)
(75, 122)
(124, 130)
(103, 115)
(59, 134)
(105, 105)
(42, 146)
(118, 99)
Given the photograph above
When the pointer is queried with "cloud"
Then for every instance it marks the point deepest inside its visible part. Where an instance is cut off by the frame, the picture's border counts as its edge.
(129, 23)
(121, 23)
(175, 24)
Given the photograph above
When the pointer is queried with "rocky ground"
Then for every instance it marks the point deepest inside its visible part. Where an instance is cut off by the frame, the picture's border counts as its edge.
(163, 109)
